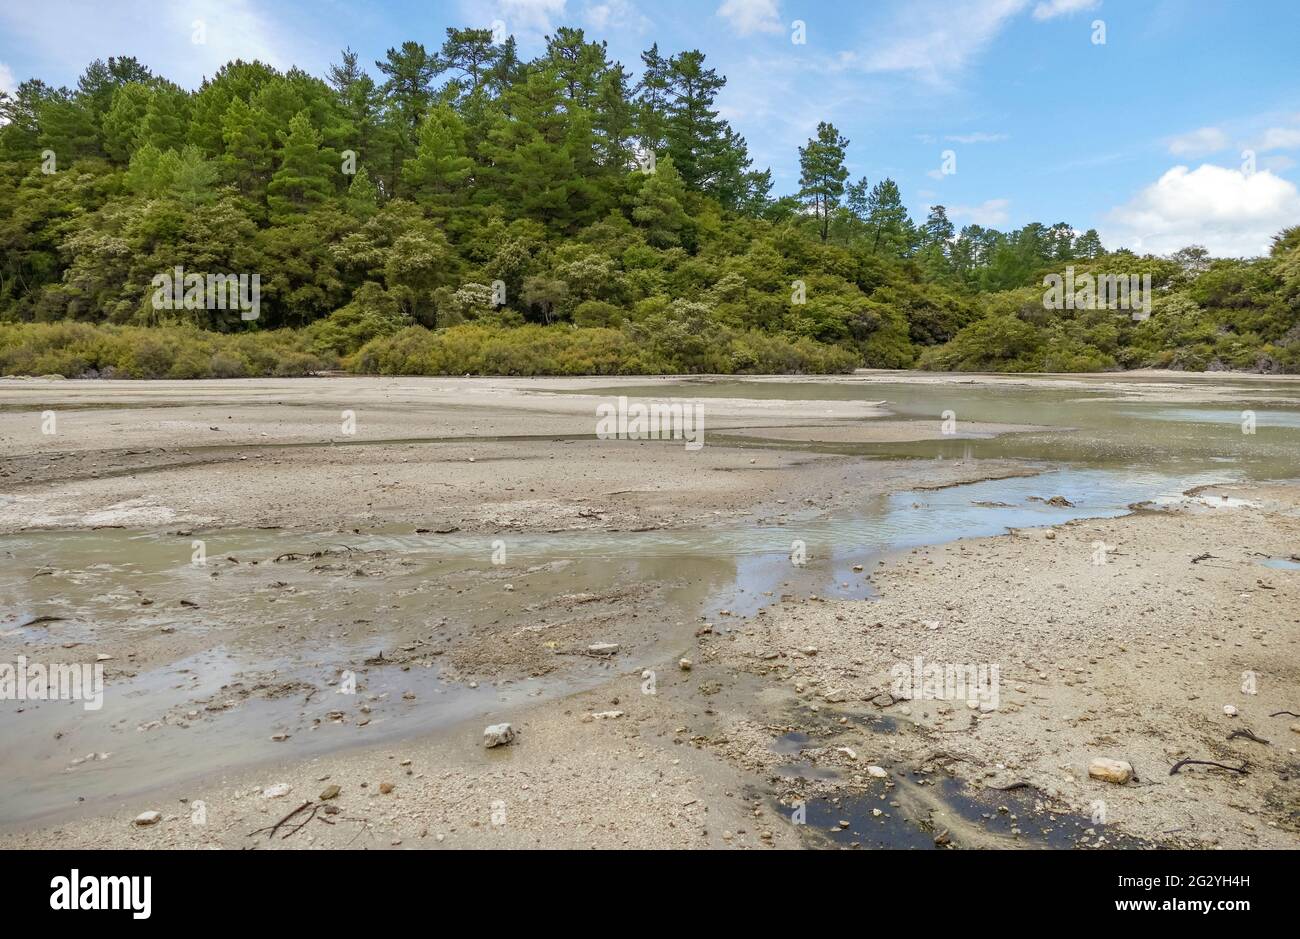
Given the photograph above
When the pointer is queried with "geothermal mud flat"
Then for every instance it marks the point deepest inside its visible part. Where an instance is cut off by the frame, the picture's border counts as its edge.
(297, 585)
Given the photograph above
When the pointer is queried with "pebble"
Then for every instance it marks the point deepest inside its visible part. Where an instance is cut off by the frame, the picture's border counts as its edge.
(1111, 771)
(498, 735)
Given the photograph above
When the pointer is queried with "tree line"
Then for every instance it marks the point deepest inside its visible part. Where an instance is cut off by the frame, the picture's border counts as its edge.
(458, 208)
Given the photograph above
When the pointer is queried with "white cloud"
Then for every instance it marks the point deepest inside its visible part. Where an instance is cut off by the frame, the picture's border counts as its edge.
(7, 82)
(610, 15)
(752, 16)
(931, 39)
(989, 212)
(1231, 214)
(1280, 138)
(1050, 9)
(527, 20)
(1199, 142)
(162, 38)
(977, 137)
(531, 14)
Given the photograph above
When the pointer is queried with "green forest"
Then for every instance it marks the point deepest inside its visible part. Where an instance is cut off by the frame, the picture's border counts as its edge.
(454, 209)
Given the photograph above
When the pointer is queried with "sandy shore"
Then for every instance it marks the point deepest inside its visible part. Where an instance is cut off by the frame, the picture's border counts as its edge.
(1134, 659)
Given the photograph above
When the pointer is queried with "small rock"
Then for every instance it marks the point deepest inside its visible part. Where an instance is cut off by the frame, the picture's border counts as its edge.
(1229, 710)
(603, 648)
(607, 715)
(498, 735)
(684, 664)
(148, 818)
(877, 772)
(1111, 771)
(386, 787)
(276, 791)
(330, 792)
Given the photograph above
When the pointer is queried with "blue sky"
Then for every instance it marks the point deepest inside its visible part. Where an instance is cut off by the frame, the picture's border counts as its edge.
(1141, 137)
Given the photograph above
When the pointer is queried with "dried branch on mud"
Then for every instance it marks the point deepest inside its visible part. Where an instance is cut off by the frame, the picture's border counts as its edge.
(1181, 763)
(1249, 735)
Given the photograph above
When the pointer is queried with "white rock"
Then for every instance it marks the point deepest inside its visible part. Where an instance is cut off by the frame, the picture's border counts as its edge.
(836, 695)
(1229, 710)
(148, 818)
(607, 715)
(498, 735)
(878, 772)
(603, 648)
(276, 791)
(1111, 771)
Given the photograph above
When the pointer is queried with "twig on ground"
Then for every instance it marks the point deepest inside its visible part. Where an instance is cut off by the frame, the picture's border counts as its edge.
(1181, 763)
(272, 829)
(40, 619)
(1248, 734)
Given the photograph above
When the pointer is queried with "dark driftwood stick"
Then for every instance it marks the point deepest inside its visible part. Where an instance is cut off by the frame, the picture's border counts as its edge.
(1280, 713)
(1248, 734)
(40, 619)
(276, 827)
(1181, 763)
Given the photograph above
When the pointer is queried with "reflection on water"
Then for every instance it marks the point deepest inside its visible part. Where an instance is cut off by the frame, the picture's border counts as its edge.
(1104, 429)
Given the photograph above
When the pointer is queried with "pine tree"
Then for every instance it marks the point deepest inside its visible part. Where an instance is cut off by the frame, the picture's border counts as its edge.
(709, 155)
(471, 53)
(120, 127)
(303, 179)
(657, 207)
(248, 154)
(889, 229)
(408, 90)
(822, 174)
(1089, 245)
(363, 197)
(165, 120)
(436, 175)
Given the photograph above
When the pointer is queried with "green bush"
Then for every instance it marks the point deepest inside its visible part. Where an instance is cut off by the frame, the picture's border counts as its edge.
(80, 350)
(566, 350)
